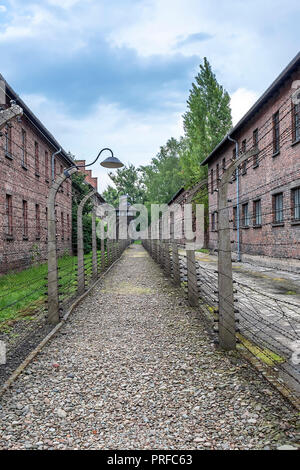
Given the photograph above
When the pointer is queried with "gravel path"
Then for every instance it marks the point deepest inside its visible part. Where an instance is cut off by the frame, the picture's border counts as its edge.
(135, 369)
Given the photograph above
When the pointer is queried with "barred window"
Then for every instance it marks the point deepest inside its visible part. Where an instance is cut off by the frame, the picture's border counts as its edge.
(245, 215)
(36, 158)
(296, 204)
(278, 208)
(24, 149)
(255, 147)
(257, 212)
(37, 221)
(276, 133)
(296, 122)
(25, 219)
(9, 216)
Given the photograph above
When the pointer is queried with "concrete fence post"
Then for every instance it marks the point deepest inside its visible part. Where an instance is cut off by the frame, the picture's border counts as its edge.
(193, 297)
(176, 267)
(53, 300)
(167, 264)
(227, 327)
(94, 243)
(80, 246)
(103, 262)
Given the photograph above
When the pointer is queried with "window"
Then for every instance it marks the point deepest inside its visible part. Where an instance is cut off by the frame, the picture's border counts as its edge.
(296, 122)
(257, 213)
(24, 149)
(211, 181)
(37, 221)
(244, 164)
(46, 165)
(278, 208)
(233, 158)
(276, 136)
(36, 159)
(218, 174)
(255, 147)
(296, 204)
(8, 141)
(62, 225)
(68, 225)
(245, 215)
(234, 217)
(9, 216)
(224, 164)
(25, 219)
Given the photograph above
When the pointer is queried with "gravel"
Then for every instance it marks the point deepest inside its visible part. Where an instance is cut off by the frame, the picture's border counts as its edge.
(134, 368)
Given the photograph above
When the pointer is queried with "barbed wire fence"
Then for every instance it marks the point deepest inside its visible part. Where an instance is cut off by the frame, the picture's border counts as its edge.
(40, 272)
(266, 327)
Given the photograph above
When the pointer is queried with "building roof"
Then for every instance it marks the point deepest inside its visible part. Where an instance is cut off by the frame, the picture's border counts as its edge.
(190, 191)
(37, 123)
(291, 67)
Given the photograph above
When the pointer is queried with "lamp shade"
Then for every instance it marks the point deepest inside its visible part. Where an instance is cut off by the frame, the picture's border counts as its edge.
(111, 162)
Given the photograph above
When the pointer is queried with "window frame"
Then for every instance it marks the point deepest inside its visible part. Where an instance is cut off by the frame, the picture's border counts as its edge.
(276, 211)
(276, 133)
(257, 223)
(245, 219)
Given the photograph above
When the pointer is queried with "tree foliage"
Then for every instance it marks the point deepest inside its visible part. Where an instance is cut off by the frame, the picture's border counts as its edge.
(128, 181)
(163, 177)
(79, 190)
(206, 122)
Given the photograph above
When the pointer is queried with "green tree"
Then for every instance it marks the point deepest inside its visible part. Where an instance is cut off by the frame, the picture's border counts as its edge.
(163, 177)
(128, 181)
(206, 121)
(79, 190)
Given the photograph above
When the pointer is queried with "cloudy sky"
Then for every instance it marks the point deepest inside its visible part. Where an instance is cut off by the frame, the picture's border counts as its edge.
(117, 73)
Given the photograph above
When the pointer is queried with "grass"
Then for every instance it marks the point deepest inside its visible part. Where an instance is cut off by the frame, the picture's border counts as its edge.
(203, 250)
(137, 242)
(23, 294)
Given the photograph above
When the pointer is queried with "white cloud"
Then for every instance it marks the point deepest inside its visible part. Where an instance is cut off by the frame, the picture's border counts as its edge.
(133, 137)
(241, 102)
(3, 8)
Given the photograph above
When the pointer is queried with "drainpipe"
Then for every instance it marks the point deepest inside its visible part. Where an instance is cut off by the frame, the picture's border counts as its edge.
(237, 199)
(52, 163)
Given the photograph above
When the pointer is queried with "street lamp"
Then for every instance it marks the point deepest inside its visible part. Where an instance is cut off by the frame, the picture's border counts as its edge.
(109, 162)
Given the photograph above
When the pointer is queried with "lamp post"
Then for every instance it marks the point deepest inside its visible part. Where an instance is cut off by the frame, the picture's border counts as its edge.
(53, 298)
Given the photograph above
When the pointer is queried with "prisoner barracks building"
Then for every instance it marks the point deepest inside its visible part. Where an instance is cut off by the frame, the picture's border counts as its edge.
(26, 149)
(264, 196)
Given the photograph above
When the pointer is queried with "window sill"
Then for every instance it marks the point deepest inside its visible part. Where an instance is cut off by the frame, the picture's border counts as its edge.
(278, 224)
(295, 222)
(25, 238)
(37, 174)
(256, 165)
(37, 238)
(276, 154)
(24, 167)
(295, 143)
(244, 173)
(8, 155)
(246, 227)
(9, 238)
(257, 226)
(47, 180)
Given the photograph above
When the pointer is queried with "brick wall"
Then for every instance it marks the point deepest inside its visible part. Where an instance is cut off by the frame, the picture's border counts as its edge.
(276, 173)
(27, 179)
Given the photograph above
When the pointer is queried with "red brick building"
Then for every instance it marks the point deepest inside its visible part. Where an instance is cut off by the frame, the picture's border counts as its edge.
(90, 179)
(26, 149)
(182, 197)
(265, 193)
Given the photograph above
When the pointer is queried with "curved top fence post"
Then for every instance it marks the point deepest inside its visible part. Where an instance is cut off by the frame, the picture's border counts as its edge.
(53, 304)
(80, 250)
